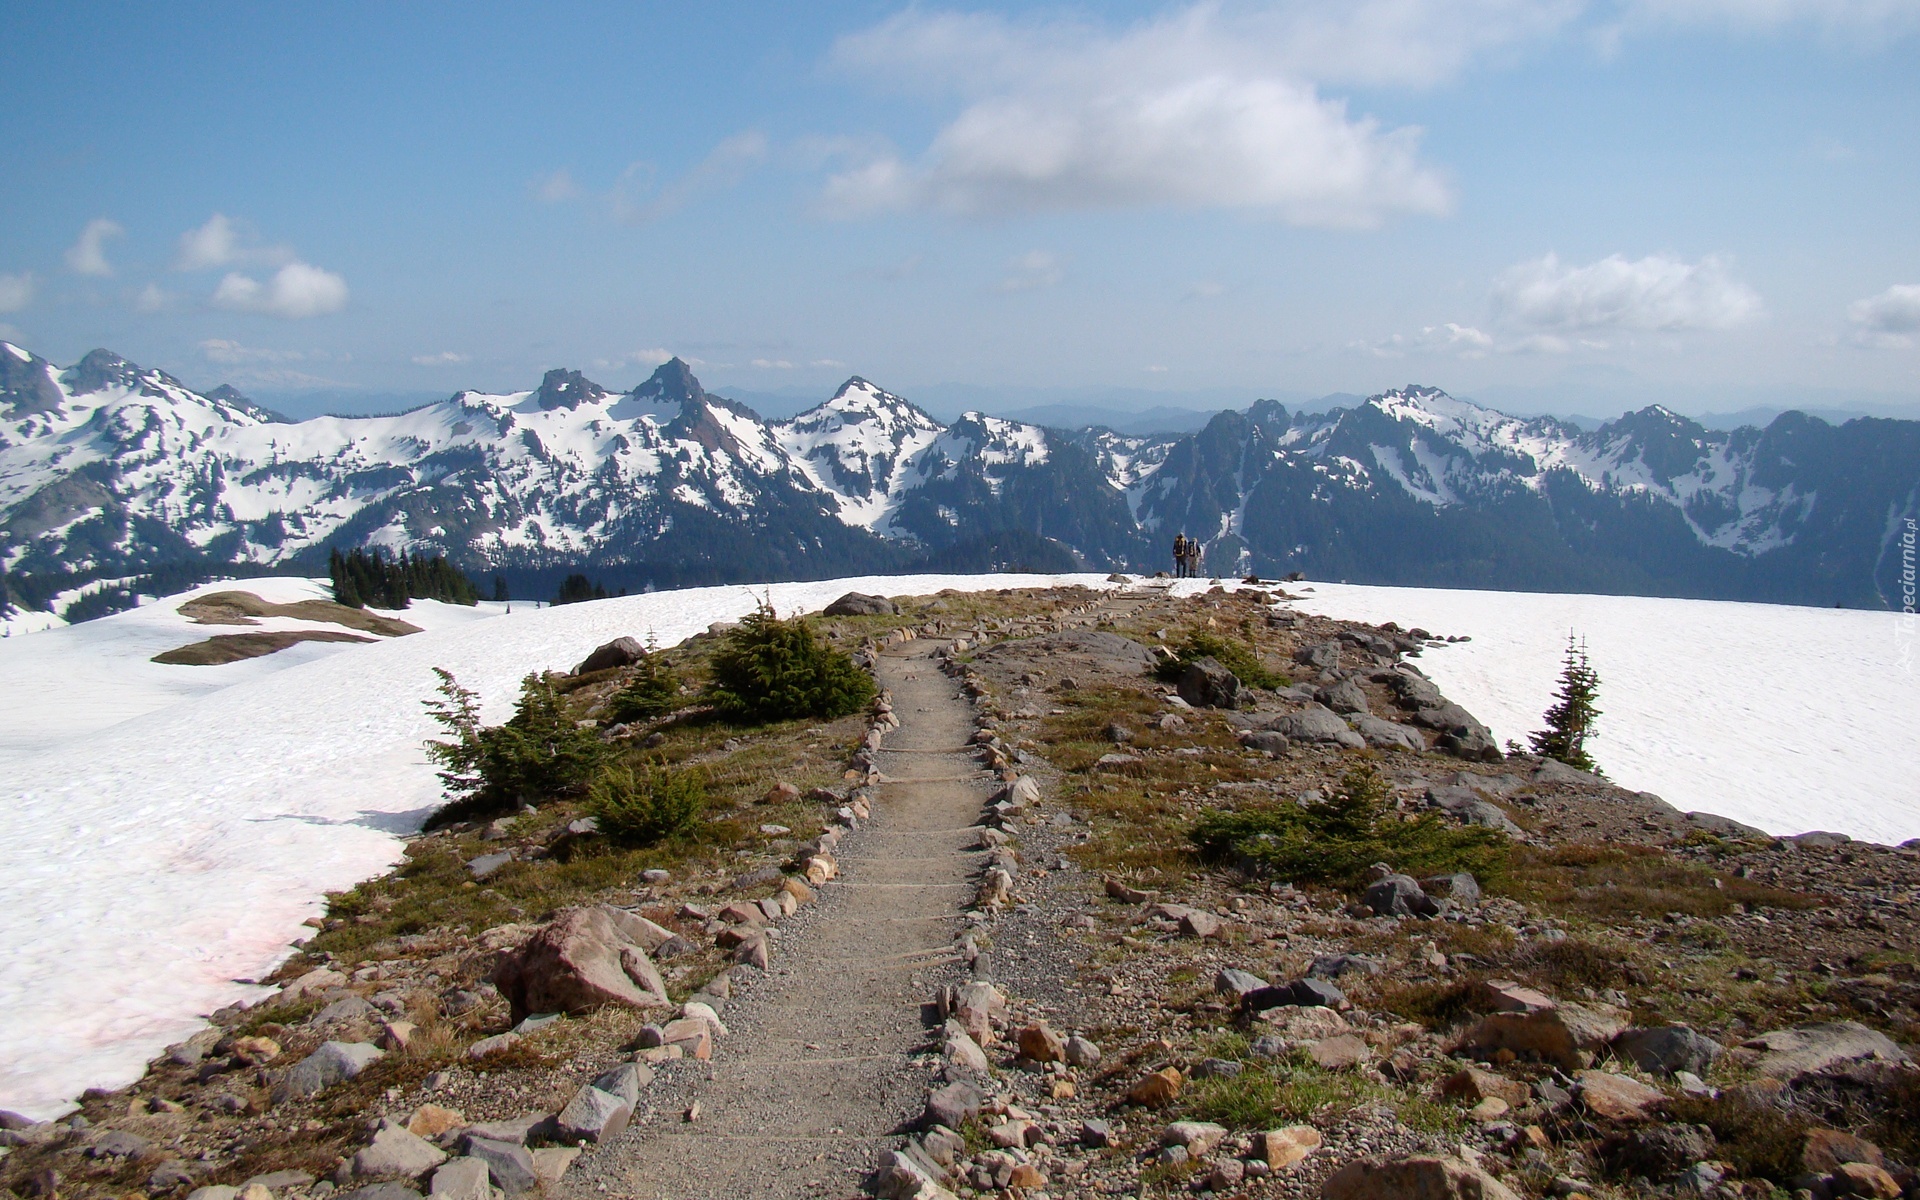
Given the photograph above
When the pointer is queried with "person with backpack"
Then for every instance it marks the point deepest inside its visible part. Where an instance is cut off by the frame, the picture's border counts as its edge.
(1180, 555)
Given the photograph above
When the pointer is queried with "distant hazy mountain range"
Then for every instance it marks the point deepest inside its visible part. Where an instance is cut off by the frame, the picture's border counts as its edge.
(109, 471)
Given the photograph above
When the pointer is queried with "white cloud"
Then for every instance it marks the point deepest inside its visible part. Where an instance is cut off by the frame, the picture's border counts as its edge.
(16, 291)
(295, 290)
(88, 255)
(723, 167)
(1652, 294)
(445, 358)
(223, 242)
(1463, 341)
(1031, 271)
(1204, 108)
(771, 364)
(557, 187)
(826, 363)
(1890, 320)
(154, 299)
(228, 352)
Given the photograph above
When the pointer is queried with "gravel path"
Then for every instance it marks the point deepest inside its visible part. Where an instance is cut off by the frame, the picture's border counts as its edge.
(816, 1077)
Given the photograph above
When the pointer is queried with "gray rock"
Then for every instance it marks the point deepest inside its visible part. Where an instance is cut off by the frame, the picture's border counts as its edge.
(13, 1121)
(1315, 723)
(1345, 696)
(1452, 798)
(118, 1143)
(859, 604)
(1399, 896)
(381, 1191)
(1819, 839)
(395, 1151)
(1081, 1052)
(620, 652)
(1333, 966)
(593, 1115)
(1388, 735)
(513, 1129)
(1460, 887)
(214, 1191)
(1270, 1046)
(628, 1080)
(169, 1175)
(332, 1063)
(279, 1181)
(1554, 771)
(1265, 739)
(1095, 1132)
(462, 1179)
(1814, 1049)
(487, 864)
(1207, 684)
(954, 1105)
(1490, 816)
(534, 1022)
(347, 1008)
(508, 1163)
(1217, 1068)
(1303, 993)
(1658, 1152)
(1668, 1049)
(1324, 656)
(1233, 981)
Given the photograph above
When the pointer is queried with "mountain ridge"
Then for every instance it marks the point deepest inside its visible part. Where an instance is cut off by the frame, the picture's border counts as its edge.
(110, 470)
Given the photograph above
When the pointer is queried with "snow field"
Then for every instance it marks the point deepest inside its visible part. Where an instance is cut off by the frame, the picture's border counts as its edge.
(1787, 718)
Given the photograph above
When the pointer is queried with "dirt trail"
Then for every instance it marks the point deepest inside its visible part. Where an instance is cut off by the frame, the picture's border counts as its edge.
(803, 1095)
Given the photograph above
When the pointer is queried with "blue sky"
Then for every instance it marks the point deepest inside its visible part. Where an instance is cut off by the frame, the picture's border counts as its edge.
(1572, 205)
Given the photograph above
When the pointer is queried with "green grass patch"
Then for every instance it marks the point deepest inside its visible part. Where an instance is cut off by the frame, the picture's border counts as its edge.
(1336, 840)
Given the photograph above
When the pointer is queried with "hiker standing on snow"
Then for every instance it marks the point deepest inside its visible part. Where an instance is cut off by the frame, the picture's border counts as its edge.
(1193, 558)
(1180, 556)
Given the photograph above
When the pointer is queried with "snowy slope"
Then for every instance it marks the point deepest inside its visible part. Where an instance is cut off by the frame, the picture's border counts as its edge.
(146, 866)
(67, 683)
(1786, 718)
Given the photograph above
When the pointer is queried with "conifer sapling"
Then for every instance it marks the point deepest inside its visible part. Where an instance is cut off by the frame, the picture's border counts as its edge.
(1571, 719)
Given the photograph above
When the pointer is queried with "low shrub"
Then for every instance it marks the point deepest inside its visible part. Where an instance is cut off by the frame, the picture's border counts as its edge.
(1336, 840)
(767, 669)
(654, 691)
(645, 806)
(1236, 656)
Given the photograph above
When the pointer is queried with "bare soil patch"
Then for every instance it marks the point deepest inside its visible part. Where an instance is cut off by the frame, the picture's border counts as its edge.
(232, 647)
(242, 608)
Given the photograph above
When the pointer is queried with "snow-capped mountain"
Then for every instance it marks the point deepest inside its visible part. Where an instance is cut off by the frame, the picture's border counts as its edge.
(109, 470)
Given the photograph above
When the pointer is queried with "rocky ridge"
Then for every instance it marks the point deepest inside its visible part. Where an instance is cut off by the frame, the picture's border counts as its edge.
(1645, 1002)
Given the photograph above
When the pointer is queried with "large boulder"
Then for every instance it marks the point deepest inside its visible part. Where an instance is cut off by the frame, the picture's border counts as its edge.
(1317, 723)
(1399, 896)
(1667, 1049)
(1345, 696)
(587, 958)
(1207, 684)
(620, 652)
(1814, 1049)
(859, 604)
(397, 1151)
(1567, 1036)
(1388, 735)
(332, 1063)
(1413, 1177)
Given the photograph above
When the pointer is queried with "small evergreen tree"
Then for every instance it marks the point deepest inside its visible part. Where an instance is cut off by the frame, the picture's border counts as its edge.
(541, 751)
(653, 692)
(645, 806)
(767, 669)
(1571, 719)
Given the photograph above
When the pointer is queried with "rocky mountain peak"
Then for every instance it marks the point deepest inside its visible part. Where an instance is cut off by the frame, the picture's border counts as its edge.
(562, 388)
(26, 383)
(672, 382)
